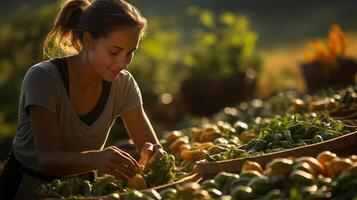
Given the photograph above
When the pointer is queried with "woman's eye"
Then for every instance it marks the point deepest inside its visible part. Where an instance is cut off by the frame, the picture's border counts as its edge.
(113, 53)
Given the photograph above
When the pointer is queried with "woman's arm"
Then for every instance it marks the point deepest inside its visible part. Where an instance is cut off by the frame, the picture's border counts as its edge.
(46, 137)
(139, 127)
(53, 161)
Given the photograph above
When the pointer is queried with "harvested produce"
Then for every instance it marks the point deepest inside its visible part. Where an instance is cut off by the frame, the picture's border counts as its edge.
(153, 174)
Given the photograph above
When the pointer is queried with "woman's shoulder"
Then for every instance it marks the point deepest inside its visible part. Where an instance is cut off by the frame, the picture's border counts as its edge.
(40, 66)
(124, 76)
(43, 66)
(40, 71)
(125, 82)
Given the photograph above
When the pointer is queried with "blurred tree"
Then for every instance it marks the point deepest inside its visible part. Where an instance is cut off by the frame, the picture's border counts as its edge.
(156, 64)
(222, 45)
(20, 47)
(158, 70)
(221, 62)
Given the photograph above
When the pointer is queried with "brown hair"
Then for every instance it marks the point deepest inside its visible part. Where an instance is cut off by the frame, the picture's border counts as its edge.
(98, 17)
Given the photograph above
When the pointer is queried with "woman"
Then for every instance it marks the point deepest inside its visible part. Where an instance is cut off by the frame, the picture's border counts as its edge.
(69, 103)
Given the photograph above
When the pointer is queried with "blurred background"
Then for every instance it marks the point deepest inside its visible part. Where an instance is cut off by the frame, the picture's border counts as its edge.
(200, 56)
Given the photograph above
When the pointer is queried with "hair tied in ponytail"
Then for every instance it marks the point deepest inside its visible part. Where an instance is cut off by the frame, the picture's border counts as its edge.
(98, 18)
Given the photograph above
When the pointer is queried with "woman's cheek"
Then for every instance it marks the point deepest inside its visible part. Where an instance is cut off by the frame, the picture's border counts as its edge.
(102, 59)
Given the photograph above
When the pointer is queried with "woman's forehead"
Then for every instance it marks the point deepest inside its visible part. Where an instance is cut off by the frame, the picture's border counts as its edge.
(125, 37)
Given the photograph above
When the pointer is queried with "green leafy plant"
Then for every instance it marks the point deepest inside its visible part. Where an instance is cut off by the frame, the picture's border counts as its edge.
(223, 45)
(161, 171)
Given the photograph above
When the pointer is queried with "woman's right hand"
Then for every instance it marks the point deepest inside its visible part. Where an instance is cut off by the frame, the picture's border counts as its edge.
(117, 162)
(150, 153)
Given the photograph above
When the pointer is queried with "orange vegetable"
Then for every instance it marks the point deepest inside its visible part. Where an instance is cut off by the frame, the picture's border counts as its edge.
(209, 136)
(193, 154)
(197, 132)
(251, 165)
(205, 145)
(174, 147)
(181, 148)
(353, 158)
(316, 166)
(279, 167)
(246, 136)
(201, 194)
(325, 157)
(137, 182)
(336, 166)
(187, 189)
(172, 136)
(304, 166)
(216, 149)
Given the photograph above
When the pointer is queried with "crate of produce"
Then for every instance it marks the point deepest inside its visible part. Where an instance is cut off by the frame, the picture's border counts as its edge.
(328, 176)
(344, 145)
(220, 141)
(157, 175)
(149, 191)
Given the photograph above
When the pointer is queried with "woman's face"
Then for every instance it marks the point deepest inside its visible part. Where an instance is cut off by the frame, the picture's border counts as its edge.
(113, 53)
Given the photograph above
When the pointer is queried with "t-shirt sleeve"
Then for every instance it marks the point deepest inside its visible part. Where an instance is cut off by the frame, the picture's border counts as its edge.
(38, 89)
(131, 95)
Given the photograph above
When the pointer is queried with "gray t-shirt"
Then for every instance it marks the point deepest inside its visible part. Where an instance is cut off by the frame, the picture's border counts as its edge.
(43, 86)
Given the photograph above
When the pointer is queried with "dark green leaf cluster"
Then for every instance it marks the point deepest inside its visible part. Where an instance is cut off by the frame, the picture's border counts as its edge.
(161, 171)
(76, 187)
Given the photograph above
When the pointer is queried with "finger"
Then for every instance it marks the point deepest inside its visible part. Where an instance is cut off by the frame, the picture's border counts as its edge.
(157, 155)
(117, 173)
(147, 145)
(146, 152)
(136, 163)
(127, 163)
(146, 148)
(126, 153)
(129, 160)
(160, 152)
(120, 158)
(124, 169)
(120, 168)
(156, 147)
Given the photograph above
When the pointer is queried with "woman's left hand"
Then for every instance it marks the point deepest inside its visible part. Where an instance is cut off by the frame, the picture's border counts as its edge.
(150, 153)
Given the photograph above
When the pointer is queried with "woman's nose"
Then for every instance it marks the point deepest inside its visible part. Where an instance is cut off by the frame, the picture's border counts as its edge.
(122, 63)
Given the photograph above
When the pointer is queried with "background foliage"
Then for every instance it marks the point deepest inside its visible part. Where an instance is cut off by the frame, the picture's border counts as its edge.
(223, 45)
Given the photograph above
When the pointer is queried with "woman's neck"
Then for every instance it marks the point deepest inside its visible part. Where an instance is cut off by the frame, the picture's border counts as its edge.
(82, 74)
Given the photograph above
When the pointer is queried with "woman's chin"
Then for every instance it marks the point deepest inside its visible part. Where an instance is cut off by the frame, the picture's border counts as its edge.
(110, 78)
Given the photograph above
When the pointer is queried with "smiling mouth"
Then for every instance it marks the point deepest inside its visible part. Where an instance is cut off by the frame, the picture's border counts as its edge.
(114, 71)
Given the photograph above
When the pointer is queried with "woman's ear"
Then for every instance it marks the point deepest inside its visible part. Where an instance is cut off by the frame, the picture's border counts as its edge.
(88, 40)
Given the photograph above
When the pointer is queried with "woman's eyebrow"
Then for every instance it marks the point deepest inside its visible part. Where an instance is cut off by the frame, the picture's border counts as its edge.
(121, 48)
